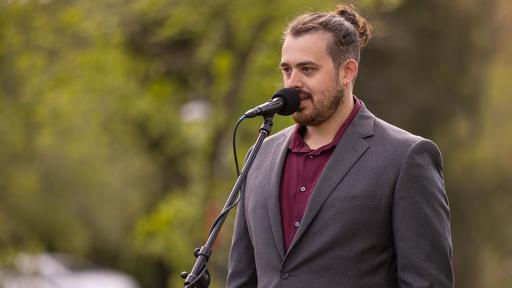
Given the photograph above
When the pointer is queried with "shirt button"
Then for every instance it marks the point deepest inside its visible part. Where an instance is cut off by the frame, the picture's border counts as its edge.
(284, 275)
(302, 188)
(296, 224)
(310, 156)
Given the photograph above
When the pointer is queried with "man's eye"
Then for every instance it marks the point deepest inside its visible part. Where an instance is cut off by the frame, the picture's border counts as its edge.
(307, 69)
(286, 70)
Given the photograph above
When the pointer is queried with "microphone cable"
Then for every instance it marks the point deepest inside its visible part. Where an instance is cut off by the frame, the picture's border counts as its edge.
(237, 170)
(226, 210)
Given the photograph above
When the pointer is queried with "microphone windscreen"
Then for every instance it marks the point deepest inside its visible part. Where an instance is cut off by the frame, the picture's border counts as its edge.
(291, 100)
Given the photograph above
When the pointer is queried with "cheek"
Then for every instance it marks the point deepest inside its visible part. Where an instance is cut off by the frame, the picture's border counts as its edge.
(324, 81)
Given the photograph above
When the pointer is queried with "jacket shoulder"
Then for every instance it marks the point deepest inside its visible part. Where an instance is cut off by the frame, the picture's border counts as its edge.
(279, 136)
(401, 144)
(395, 135)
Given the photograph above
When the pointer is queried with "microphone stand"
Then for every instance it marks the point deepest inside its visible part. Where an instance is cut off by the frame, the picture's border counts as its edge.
(199, 277)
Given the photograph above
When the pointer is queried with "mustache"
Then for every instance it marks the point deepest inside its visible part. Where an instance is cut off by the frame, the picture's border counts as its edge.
(304, 95)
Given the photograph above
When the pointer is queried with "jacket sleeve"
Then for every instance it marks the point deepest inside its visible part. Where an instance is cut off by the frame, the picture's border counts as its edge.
(241, 268)
(421, 220)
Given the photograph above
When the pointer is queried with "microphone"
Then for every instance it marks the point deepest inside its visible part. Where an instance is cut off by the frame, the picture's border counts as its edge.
(284, 102)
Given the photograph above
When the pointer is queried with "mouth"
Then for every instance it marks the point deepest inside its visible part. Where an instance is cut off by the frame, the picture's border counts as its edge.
(304, 96)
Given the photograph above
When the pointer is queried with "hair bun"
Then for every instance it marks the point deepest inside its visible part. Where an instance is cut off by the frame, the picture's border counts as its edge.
(364, 29)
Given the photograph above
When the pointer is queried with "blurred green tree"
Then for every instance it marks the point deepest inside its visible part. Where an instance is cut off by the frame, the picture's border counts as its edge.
(73, 175)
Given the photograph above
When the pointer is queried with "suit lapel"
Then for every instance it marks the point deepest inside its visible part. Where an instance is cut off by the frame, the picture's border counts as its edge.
(275, 171)
(347, 152)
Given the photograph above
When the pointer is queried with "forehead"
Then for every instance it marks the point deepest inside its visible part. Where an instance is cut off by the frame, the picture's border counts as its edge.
(310, 47)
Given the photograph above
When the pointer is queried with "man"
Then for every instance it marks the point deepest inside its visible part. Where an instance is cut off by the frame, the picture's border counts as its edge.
(342, 199)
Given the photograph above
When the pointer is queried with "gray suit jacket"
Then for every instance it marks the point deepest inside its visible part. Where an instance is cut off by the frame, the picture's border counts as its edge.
(377, 218)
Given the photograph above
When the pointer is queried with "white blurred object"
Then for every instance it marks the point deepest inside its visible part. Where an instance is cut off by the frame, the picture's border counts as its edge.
(55, 271)
(195, 110)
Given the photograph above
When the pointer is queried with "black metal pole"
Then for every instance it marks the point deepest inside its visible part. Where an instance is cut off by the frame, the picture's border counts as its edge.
(199, 277)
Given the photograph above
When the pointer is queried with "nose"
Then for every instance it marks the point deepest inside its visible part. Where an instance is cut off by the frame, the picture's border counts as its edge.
(294, 81)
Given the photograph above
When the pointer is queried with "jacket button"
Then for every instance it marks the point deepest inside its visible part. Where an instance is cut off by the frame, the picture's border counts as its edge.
(284, 275)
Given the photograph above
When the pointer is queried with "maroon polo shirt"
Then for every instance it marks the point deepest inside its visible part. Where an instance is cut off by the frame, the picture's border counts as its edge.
(302, 169)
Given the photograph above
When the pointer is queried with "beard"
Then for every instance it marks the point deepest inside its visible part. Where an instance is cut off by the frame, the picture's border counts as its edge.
(323, 107)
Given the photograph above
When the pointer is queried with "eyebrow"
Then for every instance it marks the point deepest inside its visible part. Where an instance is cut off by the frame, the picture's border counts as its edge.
(300, 64)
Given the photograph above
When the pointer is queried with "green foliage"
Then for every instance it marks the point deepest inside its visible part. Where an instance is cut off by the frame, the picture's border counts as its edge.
(69, 159)
(164, 232)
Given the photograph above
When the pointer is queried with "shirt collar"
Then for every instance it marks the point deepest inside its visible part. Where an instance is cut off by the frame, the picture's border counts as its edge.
(298, 145)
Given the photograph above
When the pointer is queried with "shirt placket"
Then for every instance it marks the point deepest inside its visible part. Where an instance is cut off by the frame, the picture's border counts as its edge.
(302, 192)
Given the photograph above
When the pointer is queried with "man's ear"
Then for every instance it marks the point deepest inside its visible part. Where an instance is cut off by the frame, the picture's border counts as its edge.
(348, 71)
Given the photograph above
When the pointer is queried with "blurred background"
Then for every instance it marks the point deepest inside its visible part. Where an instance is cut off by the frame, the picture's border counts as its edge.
(116, 118)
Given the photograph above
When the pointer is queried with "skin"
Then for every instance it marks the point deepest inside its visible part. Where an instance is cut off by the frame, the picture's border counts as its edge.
(326, 92)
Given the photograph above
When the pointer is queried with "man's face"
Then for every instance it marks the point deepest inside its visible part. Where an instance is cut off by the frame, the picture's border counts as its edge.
(307, 67)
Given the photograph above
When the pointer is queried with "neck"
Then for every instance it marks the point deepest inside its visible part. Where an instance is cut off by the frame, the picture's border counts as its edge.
(320, 135)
